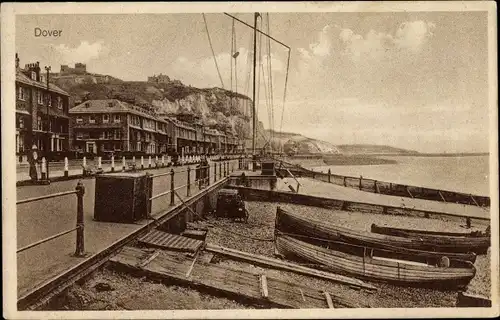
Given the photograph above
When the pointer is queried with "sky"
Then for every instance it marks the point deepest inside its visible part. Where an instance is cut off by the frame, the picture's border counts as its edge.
(416, 80)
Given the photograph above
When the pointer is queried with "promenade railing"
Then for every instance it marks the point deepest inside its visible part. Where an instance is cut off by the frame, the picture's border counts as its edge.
(80, 225)
(204, 176)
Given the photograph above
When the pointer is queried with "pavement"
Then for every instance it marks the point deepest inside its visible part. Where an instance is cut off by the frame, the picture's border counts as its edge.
(330, 190)
(44, 218)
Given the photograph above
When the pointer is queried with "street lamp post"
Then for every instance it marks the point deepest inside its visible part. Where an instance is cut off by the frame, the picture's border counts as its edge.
(47, 68)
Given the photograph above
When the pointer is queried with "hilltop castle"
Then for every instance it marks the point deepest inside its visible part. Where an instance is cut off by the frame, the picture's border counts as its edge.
(80, 68)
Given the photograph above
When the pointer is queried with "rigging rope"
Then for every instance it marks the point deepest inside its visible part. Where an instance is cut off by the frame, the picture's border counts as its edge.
(213, 53)
(284, 91)
(271, 95)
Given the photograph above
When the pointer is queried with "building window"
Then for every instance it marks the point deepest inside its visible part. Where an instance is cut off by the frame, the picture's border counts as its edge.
(79, 135)
(20, 94)
(39, 123)
(59, 103)
(117, 118)
(105, 118)
(40, 97)
(21, 123)
(118, 134)
(91, 119)
(79, 119)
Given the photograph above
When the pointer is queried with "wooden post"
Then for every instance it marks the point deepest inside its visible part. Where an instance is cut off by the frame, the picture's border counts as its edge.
(215, 172)
(112, 163)
(149, 189)
(360, 182)
(468, 222)
(124, 164)
(162, 160)
(188, 181)
(329, 176)
(66, 167)
(172, 187)
(208, 174)
(345, 184)
(220, 169)
(80, 223)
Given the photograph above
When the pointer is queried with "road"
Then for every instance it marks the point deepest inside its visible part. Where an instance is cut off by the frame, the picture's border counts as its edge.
(41, 219)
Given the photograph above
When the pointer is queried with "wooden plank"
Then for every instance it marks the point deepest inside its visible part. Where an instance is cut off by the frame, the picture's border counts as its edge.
(284, 265)
(302, 294)
(328, 300)
(218, 279)
(149, 259)
(263, 286)
(188, 273)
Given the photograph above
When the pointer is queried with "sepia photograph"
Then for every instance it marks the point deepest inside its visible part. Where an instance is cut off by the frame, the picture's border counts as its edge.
(250, 160)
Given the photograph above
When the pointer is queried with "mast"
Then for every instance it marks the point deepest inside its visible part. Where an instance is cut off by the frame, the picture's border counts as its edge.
(254, 73)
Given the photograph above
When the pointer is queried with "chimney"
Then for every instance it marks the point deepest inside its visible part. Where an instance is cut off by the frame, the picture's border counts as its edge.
(37, 70)
(87, 104)
(110, 104)
(17, 61)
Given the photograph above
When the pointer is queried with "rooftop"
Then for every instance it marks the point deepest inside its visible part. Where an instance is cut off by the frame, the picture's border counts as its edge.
(22, 78)
(112, 106)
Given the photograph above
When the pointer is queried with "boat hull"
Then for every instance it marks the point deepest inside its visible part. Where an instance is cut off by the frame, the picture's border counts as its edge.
(371, 268)
(458, 242)
(288, 222)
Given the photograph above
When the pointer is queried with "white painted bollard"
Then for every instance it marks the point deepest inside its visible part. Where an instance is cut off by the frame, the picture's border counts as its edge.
(169, 160)
(99, 163)
(44, 169)
(112, 163)
(124, 164)
(133, 161)
(84, 162)
(142, 162)
(66, 167)
(149, 162)
(162, 160)
(156, 161)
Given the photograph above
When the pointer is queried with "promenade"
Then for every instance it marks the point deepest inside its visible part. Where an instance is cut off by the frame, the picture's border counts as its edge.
(41, 219)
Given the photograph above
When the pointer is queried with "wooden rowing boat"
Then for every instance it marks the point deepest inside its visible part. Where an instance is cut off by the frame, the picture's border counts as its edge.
(409, 248)
(367, 266)
(477, 241)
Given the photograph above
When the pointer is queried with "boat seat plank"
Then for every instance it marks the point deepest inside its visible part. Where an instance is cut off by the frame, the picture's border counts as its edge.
(263, 286)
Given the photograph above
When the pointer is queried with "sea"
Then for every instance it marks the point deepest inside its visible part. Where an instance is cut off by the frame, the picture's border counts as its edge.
(468, 174)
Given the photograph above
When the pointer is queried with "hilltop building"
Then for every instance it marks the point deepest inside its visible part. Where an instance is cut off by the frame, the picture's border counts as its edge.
(42, 117)
(162, 78)
(80, 68)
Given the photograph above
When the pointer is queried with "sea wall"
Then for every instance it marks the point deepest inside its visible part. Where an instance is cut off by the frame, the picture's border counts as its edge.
(389, 188)
(251, 194)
